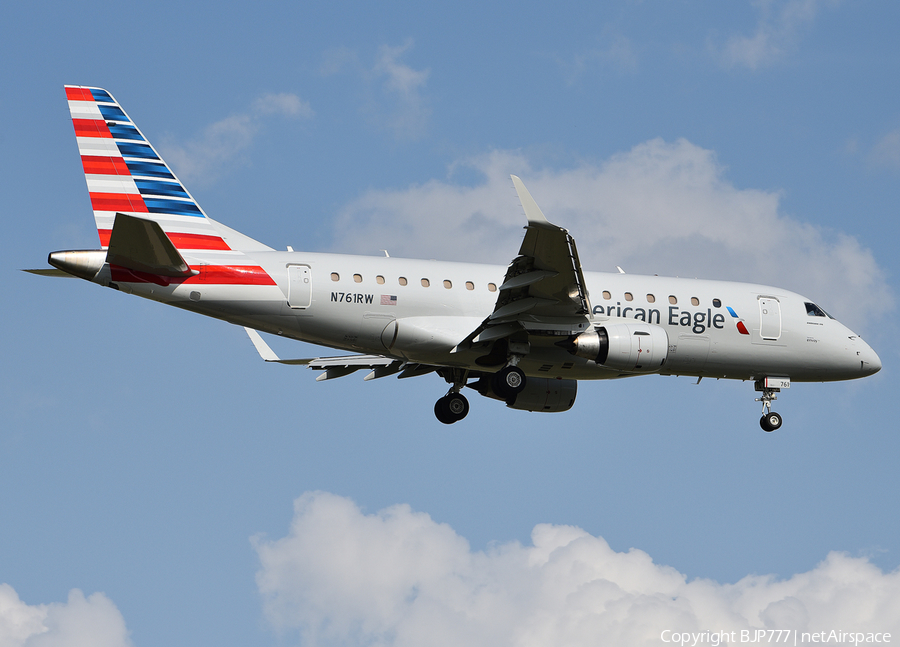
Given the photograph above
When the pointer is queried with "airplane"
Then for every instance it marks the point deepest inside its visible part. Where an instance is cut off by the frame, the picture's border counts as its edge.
(522, 334)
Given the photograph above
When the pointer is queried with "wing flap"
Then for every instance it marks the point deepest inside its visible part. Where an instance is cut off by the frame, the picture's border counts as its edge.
(334, 367)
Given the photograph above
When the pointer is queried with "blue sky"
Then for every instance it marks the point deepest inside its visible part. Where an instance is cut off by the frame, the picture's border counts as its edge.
(161, 485)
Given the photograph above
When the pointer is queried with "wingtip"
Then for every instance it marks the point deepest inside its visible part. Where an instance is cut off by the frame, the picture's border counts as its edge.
(532, 211)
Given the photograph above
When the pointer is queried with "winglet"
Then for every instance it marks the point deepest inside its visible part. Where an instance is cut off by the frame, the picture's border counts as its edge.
(268, 354)
(532, 211)
(261, 346)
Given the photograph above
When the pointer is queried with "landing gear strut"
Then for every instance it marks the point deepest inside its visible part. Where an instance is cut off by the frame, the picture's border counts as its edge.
(770, 420)
(454, 406)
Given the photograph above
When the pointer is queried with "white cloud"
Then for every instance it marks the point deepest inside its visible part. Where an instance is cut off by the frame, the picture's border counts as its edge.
(79, 622)
(886, 151)
(285, 104)
(660, 208)
(619, 55)
(205, 156)
(401, 78)
(402, 87)
(398, 578)
(396, 99)
(776, 34)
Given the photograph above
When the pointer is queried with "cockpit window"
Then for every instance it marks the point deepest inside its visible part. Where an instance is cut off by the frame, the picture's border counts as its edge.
(814, 311)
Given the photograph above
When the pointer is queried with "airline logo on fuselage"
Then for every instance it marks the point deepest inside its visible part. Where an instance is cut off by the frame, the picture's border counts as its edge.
(739, 323)
(696, 321)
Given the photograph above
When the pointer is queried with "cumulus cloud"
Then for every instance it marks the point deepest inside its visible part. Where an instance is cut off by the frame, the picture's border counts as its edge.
(660, 208)
(398, 578)
(205, 156)
(777, 33)
(79, 622)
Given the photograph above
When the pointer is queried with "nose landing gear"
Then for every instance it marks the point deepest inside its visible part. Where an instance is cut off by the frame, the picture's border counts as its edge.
(770, 420)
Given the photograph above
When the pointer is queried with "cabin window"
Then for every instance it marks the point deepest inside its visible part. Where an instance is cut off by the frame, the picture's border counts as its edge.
(447, 284)
(607, 295)
(402, 280)
(379, 279)
(470, 285)
(335, 276)
(717, 303)
(629, 296)
(814, 311)
(425, 283)
(357, 278)
(672, 299)
(492, 287)
(651, 298)
(695, 301)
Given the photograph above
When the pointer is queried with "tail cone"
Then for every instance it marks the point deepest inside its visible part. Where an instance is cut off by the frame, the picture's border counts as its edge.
(81, 263)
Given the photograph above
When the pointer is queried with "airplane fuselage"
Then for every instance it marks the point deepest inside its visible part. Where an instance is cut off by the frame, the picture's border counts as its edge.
(418, 310)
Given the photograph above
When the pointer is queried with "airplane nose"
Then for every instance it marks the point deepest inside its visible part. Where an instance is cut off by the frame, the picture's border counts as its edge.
(873, 365)
(869, 361)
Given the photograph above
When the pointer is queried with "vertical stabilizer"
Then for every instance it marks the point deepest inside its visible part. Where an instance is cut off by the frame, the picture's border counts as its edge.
(126, 175)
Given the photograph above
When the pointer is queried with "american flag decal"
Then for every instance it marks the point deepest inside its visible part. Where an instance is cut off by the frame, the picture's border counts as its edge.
(388, 300)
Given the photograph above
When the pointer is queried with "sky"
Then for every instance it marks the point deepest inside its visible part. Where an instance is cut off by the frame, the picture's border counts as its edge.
(160, 484)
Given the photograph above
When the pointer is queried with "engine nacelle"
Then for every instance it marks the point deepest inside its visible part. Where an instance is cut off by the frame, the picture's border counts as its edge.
(542, 394)
(638, 347)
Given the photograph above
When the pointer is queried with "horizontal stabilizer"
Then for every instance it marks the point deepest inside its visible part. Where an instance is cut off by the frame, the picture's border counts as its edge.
(51, 272)
(142, 245)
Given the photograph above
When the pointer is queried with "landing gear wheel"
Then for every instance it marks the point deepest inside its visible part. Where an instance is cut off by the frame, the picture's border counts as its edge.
(770, 422)
(508, 382)
(457, 405)
(453, 407)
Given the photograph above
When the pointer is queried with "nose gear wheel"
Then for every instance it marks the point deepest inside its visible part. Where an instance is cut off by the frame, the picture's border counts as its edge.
(770, 420)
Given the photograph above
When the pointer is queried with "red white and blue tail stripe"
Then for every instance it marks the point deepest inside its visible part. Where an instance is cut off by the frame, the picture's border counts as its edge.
(125, 174)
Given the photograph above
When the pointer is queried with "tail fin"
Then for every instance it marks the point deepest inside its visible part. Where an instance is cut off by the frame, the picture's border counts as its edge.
(126, 175)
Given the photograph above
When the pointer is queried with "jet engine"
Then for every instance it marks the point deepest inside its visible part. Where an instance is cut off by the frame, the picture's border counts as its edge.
(634, 347)
(542, 394)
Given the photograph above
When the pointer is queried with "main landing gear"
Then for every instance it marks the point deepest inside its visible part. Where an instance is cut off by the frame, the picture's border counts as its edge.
(507, 383)
(770, 420)
(454, 406)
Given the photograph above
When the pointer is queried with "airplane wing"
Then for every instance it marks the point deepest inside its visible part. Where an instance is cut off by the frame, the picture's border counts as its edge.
(544, 286)
(379, 365)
